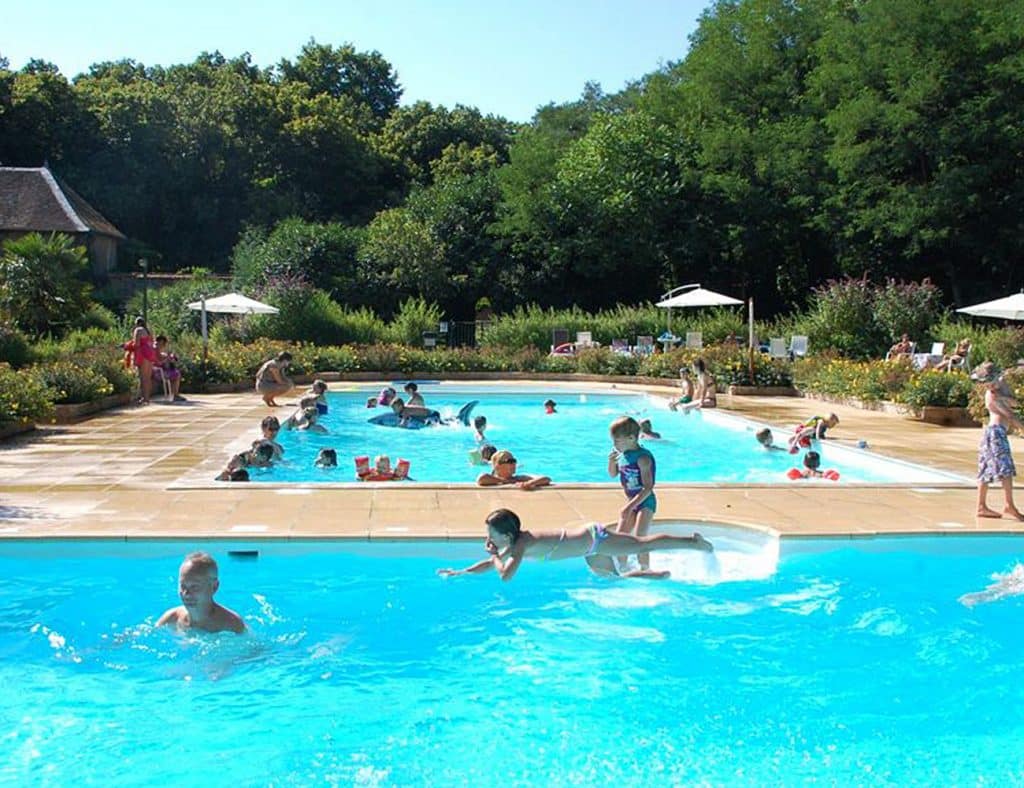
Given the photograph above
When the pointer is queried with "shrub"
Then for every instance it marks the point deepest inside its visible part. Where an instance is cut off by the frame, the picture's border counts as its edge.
(309, 315)
(167, 309)
(415, 316)
(14, 347)
(907, 307)
(24, 399)
(930, 387)
(841, 317)
(70, 383)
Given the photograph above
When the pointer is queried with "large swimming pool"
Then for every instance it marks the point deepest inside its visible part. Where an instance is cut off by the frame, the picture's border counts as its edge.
(569, 446)
(849, 663)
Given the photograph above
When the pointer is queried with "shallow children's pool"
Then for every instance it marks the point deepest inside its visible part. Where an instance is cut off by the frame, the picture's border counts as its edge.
(851, 662)
(570, 445)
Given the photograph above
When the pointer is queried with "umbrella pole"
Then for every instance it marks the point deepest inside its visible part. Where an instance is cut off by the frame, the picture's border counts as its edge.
(206, 341)
(750, 338)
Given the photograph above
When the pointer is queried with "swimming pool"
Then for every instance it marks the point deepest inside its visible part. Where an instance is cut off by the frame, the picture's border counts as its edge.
(852, 664)
(569, 446)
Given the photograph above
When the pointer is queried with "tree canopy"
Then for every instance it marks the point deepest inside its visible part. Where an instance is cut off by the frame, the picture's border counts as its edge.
(792, 143)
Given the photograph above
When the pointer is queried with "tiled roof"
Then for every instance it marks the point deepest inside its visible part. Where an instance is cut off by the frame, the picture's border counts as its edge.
(32, 199)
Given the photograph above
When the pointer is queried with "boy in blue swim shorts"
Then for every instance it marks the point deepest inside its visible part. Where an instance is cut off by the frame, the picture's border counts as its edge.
(635, 467)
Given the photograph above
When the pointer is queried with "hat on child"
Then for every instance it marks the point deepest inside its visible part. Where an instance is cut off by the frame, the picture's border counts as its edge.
(985, 372)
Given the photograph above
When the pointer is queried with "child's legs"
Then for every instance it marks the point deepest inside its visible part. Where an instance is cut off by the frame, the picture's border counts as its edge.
(625, 525)
(643, 525)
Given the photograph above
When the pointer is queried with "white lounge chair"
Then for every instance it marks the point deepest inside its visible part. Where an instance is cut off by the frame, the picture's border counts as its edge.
(620, 346)
(777, 348)
(938, 349)
(694, 340)
(798, 346)
(584, 339)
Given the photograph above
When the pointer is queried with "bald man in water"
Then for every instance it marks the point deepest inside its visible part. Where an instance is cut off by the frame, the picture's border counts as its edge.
(197, 583)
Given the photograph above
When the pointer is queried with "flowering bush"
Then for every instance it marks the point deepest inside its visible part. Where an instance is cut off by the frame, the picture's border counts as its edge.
(865, 380)
(69, 383)
(24, 399)
(930, 387)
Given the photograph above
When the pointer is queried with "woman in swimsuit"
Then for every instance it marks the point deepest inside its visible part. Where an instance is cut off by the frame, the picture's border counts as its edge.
(508, 544)
(145, 357)
(271, 380)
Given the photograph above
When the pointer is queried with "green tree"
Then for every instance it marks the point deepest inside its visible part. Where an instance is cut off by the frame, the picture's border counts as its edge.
(923, 102)
(364, 77)
(43, 287)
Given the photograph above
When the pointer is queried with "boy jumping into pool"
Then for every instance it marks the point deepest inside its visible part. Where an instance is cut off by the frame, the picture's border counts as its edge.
(197, 583)
(508, 544)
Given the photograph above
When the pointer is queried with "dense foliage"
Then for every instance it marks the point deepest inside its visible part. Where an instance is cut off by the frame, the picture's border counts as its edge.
(792, 143)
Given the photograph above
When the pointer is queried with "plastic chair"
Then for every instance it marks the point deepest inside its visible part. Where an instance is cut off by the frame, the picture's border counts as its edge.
(798, 346)
(694, 340)
(644, 345)
(777, 348)
(938, 349)
(584, 339)
(559, 338)
(620, 346)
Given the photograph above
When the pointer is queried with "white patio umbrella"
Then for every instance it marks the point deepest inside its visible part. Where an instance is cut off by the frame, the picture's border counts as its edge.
(1008, 308)
(699, 296)
(232, 304)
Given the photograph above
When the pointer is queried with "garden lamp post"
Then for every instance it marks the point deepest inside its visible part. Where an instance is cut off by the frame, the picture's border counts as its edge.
(144, 265)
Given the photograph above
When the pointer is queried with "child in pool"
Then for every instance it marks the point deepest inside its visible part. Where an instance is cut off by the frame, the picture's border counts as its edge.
(647, 431)
(197, 583)
(270, 427)
(327, 458)
(306, 417)
(508, 544)
(482, 454)
(415, 398)
(767, 440)
(550, 406)
(318, 391)
(259, 456)
(479, 425)
(1003, 585)
(812, 465)
(635, 467)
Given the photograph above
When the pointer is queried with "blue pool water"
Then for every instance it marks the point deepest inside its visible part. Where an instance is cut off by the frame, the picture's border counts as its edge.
(852, 664)
(570, 446)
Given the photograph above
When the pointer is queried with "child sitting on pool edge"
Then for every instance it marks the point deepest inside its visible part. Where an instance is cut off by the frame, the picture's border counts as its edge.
(198, 581)
(508, 543)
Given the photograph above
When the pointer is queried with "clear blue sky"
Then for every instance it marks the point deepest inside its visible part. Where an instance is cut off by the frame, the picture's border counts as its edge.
(504, 58)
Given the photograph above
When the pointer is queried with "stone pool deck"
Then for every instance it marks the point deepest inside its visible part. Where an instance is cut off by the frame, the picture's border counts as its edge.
(143, 473)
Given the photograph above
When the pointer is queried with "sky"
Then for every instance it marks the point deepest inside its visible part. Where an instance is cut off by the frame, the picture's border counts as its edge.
(505, 59)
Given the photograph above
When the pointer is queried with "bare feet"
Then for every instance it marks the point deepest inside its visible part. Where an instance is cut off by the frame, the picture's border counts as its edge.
(648, 574)
(1014, 513)
(984, 511)
(702, 544)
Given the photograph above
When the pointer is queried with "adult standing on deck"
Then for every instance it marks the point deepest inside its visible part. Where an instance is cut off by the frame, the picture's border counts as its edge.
(995, 463)
(144, 358)
(271, 380)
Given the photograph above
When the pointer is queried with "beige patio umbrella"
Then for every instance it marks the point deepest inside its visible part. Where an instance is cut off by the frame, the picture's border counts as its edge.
(1009, 308)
